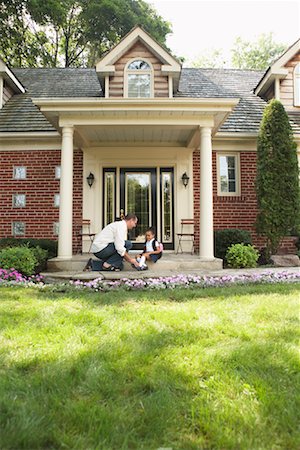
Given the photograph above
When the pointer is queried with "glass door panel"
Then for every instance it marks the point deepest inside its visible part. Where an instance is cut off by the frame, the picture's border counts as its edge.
(167, 207)
(109, 195)
(138, 199)
(138, 195)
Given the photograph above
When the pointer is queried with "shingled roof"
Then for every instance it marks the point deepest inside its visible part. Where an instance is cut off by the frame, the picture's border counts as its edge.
(19, 114)
(247, 115)
(69, 82)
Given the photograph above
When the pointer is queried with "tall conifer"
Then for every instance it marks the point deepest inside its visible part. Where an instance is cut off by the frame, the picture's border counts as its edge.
(277, 182)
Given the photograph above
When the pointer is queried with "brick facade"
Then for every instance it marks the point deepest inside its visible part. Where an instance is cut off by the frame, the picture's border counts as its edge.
(231, 211)
(40, 186)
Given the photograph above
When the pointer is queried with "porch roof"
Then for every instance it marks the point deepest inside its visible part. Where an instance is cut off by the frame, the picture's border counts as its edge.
(163, 122)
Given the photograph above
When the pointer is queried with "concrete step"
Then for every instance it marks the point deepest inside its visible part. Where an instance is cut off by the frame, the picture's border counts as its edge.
(169, 261)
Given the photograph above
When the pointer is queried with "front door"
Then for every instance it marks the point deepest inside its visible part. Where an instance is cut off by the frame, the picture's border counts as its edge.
(147, 192)
(138, 195)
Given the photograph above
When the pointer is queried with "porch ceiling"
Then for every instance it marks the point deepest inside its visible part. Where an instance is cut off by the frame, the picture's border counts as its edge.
(150, 135)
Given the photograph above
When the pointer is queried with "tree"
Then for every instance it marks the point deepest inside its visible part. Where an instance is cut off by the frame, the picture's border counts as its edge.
(277, 181)
(21, 43)
(256, 55)
(210, 58)
(70, 32)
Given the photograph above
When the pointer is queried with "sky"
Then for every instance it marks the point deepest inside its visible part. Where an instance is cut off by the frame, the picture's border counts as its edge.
(202, 25)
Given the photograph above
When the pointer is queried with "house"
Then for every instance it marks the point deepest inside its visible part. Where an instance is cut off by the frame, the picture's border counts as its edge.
(96, 143)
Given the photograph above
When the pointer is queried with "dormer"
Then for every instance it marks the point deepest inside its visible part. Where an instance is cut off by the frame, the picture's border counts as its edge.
(138, 67)
(9, 84)
(282, 79)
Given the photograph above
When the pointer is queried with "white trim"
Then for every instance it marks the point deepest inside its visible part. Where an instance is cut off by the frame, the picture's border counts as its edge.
(107, 62)
(107, 86)
(170, 82)
(1, 91)
(296, 77)
(236, 156)
(8, 75)
(277, 69)
(144, 102)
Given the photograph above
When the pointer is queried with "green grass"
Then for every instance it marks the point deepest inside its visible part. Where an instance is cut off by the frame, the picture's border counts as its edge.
(184, 369)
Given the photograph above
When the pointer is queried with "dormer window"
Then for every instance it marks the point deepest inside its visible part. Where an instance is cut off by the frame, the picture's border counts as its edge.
(138, 79)
(297, 85)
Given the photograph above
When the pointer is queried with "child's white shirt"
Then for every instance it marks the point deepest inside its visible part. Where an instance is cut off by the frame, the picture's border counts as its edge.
(149, 246)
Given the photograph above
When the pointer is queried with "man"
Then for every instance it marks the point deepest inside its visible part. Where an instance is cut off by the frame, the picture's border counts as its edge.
(111, 246)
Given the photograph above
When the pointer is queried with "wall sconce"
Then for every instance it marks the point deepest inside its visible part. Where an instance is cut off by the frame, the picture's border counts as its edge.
(185, 179)
(90, 179)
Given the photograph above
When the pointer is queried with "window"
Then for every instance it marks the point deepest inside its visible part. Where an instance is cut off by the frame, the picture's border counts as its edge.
(228, 171)
(297, 85)
(109, 195)
(57, 172)
(19, 173)
(19, 200)
(167, 204)
(56, 228)
(18, 228)
(138, 79)
(56, 200)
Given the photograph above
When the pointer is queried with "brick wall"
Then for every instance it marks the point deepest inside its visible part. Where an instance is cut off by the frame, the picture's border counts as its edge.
(40, 185)
(234, 212)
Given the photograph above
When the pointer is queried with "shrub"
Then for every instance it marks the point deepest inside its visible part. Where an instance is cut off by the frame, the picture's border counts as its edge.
(240, 255)
(46, 244)
(41, 256)
(21, 259)
(225, 238)
(277, 175)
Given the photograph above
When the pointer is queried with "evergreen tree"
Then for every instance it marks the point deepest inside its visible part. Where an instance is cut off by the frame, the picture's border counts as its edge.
(277, 182)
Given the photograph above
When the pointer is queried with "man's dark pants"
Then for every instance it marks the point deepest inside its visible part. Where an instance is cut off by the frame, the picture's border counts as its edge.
(110, 255)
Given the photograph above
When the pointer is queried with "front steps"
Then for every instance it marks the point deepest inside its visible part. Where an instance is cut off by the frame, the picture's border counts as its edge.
(170, 262)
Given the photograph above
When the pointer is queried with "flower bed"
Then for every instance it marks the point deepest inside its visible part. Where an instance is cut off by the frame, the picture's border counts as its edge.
(12, 278)
(187, 281)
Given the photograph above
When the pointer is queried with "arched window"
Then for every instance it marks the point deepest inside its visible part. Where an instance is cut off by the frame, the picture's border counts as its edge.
(138, 79)
(297, 85)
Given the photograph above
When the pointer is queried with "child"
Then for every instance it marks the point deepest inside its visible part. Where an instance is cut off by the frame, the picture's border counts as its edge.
(152, 250)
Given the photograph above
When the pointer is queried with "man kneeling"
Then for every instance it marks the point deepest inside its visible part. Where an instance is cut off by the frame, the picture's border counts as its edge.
(111, 246)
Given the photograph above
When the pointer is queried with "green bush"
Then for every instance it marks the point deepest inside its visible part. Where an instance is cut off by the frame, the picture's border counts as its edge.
(41, 256)
(46, 244)
(240, 256)
(21, 259)
(225, 238)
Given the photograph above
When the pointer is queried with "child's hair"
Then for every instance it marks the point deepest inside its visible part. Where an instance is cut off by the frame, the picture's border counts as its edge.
(152, 230)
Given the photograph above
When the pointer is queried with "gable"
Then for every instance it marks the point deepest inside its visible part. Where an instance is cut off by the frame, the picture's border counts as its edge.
(166, 66)
(272, 83)
(9, 84)
(138, 51)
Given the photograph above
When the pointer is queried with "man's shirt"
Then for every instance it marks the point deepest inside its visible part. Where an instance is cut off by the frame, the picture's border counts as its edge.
(116, 233)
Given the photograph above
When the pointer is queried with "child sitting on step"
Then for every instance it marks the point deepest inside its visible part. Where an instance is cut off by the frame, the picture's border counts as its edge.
(152, 250)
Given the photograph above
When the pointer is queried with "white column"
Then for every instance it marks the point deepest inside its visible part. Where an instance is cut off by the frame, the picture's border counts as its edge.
(206, 196)
(277, 88)
(66, 195)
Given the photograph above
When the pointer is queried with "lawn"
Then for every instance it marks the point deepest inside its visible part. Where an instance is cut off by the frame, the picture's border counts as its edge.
(214, 368)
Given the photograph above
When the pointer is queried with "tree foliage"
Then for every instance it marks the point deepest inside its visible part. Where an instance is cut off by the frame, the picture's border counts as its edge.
(212, 58)
(70, 32)
(277, 182)
(256, 55)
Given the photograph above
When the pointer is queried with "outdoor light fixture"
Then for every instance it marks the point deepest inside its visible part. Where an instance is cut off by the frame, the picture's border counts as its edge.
(185, 179)
(90, 179)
